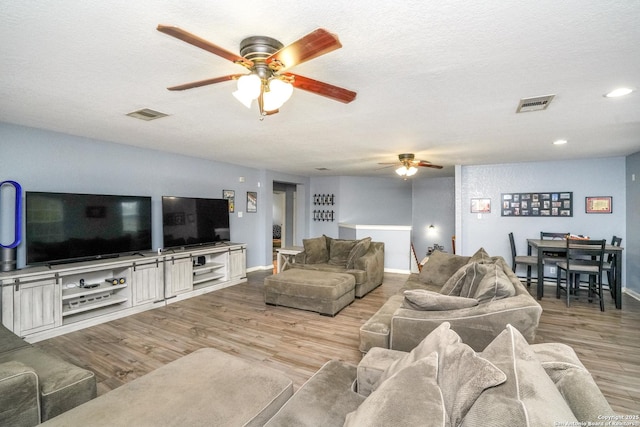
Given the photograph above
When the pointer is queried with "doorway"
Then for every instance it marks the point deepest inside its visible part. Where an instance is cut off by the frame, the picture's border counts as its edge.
(284, 214)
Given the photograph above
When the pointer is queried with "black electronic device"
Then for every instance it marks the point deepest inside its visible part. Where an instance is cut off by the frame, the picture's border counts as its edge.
(65, 227)
(191, 221)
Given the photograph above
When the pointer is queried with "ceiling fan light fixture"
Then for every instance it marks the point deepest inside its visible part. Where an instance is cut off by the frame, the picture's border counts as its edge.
(249, 87)
(279, 92)
(407, 170)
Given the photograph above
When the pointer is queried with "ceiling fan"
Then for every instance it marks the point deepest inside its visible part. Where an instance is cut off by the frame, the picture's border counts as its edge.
(408, 165)
(267, 61)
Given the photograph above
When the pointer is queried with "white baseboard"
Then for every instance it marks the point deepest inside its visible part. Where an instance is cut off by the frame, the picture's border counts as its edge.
(633, 294)
(260, 268)
(395, 270)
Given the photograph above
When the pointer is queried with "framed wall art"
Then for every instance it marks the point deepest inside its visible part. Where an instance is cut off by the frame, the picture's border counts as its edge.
(548, 204)
(252, 201)
(230, 195)
(600, 204)
(480, 205)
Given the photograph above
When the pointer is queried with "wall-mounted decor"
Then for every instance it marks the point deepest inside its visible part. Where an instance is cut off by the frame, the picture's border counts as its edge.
(323, 199)
(230, 195)
(601, 204)
(252, 201)
(322, 215)
(537, 204)
(480, 205)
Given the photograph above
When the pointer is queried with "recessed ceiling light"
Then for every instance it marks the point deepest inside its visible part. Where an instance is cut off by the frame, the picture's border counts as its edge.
(560, 142)
(621, 91)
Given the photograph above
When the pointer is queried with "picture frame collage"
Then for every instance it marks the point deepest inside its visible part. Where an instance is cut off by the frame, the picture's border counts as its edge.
(545, 204)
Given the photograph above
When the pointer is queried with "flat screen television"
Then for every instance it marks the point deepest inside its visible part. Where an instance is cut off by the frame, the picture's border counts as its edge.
(191, 221)
(64, 227)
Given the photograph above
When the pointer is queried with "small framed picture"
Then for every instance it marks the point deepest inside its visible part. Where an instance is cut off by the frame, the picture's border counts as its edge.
(600, 204)
(230, 195)
(480, 205)
(252, 201)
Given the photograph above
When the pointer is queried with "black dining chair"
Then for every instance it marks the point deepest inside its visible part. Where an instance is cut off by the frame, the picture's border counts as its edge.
(582, 257)
(549, 256)
(527, 260)
(609, 267)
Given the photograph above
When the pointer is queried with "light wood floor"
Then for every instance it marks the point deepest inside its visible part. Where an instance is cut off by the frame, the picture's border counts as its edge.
(236, 320)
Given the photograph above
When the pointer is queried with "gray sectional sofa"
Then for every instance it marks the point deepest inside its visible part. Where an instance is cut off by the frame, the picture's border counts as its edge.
(478, 295)
(444, 382)
(36, 386)
(363, 259)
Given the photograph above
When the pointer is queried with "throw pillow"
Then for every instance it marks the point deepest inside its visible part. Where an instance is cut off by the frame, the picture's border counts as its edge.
(573, 381)
(487, 282)
(437, 340)
(527, 398)
(440, 267)
(315, 250)
(358, 250)
(463, 376)
(481, 256)
(339, 251)
(422, 299)
(453, 285)
(411, 397)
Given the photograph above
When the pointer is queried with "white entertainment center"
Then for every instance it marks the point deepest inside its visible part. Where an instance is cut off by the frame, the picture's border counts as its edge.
(45, 301)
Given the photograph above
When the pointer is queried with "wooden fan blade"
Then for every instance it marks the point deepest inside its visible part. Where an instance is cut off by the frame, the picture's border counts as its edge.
(204, 44)
(308, 47)
(320, 88)
(426, 164)
(206, 82)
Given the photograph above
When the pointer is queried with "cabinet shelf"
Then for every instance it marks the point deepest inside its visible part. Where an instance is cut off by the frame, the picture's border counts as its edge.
(207, 277)
(78, 292)
(112, 300)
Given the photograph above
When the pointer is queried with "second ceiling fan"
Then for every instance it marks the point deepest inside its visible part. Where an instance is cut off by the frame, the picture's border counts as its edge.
(408, 165)
(267, 61)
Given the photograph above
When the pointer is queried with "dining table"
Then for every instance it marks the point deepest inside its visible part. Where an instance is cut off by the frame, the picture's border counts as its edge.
(560, 246)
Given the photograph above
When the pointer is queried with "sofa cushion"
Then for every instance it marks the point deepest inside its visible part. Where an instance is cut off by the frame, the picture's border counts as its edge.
(486, 282)
(10, 341)
(411, 397)
(339, 251)
(422, 299)
(462, 374)
(481, 256)
(440, 267)
(437, 340)
(360, 248)
(573, 381)
(527, 398)
(316, 250)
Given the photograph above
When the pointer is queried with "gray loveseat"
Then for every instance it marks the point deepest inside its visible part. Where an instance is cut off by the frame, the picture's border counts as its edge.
(36, 386)
(493, 297)
(443, 382)
(363, 259)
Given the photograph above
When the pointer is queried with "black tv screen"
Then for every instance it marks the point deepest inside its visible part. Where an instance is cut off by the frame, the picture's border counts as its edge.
(189, 221)
(63, 227)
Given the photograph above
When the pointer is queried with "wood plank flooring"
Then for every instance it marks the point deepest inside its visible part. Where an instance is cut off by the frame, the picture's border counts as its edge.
(298, 343)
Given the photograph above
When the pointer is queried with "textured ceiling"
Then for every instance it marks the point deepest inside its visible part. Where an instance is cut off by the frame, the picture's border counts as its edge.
(441, 79)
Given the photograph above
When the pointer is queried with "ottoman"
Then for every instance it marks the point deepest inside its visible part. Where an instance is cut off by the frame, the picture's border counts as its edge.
(205, 388)
(324, 292)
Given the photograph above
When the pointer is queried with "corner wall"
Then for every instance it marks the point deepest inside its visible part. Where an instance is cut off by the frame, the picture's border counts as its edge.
(632, 243)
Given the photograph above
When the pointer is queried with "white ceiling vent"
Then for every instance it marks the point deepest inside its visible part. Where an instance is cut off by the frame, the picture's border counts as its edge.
(534, 104)
(146, 114)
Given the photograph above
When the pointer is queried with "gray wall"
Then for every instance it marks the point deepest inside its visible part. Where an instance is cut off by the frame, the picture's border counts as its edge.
(590, 177)
(632, 242)
(433, 204)
(360, 200)
(49, 161)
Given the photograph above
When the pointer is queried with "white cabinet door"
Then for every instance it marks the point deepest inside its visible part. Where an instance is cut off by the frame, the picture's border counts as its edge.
(237, 263)
(37, 306)
(178, 276)
(147, 283)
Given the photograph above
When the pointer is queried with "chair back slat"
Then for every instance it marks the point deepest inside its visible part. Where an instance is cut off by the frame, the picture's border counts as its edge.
(585, 253)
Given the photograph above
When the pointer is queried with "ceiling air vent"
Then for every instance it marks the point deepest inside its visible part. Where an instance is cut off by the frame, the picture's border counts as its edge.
(146, 114)
(537, 103)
